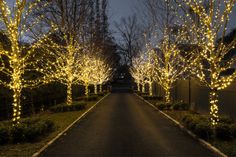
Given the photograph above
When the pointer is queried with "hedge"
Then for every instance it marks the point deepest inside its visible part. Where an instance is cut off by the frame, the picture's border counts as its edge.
(201, 126)
(29, 130)
(76, 106)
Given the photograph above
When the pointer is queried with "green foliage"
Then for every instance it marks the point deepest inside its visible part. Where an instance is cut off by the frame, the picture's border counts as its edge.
(4, 134)
(201, 126)
(91, 98)
(147, 97)
(223, 131)
(76, 106)
(29, 130)
(163, 106)
(181, 106)
(233, 128)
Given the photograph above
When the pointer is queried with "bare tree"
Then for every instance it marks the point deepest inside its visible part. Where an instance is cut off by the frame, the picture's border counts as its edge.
(129, 31)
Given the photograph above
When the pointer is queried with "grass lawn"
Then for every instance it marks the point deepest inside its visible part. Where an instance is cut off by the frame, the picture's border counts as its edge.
(61, 121)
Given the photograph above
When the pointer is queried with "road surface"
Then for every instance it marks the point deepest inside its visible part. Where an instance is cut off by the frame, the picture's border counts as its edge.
(123, 125)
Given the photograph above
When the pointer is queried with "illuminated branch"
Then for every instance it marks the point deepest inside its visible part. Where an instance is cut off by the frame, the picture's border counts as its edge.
(212, 64)
(171, 63)
(13, 21)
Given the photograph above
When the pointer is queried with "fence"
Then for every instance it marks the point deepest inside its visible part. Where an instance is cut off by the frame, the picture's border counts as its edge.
(192, 92)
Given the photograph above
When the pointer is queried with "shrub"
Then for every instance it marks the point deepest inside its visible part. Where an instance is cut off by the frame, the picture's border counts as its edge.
(223, 131)
(29, 130)
(199, 124)
(226, 120)
(91, 98)
(180, 106)
(101, 94)
(4, 135)
(161, 106)
(17, 133)
(203, 130)
(233, 129)
(65, 108)
(147, 97)
(41, 128)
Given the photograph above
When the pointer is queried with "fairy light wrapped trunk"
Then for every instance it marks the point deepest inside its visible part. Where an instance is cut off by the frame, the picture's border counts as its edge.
(14, 20)
(209, 35)
(171, 61)
(61, 62)
(137, 71)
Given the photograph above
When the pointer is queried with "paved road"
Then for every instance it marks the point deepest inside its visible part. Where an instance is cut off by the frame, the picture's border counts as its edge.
(123, 125)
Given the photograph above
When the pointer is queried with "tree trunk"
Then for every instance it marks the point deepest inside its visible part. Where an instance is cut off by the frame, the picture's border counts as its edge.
(143, 88)
(138, 86)
(100, 88)
(214, 107)
(167, 95)
(16, 88)
(95, 89)
(86, 89)
(69, 94)
(150, 89)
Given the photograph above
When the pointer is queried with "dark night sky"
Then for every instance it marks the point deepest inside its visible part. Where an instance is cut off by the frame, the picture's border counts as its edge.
(125, 8)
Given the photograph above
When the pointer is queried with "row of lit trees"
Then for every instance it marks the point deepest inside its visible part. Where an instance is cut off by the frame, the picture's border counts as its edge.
(48, 58)
(198, 49)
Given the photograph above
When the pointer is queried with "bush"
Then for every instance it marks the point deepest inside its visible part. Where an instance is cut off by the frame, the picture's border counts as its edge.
(203, 130)
(33, 132)
(233, 129)
(101, 94)
(223, 131)
(4, 135)
(199, 124)
(17, 133)
(180, 106)
(28, 130)
(163, 106)
(226, 120)
(147, 97)
(91, 98)
(66, 108)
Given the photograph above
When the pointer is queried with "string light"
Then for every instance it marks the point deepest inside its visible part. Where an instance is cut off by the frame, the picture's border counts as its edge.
(211, 64)
(18, 55)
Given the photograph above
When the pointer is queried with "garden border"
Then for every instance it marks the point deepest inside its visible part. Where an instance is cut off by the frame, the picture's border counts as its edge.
(201, 141)
(36, 154)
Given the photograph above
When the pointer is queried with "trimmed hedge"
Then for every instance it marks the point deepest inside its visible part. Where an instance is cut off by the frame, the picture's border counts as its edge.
(201, 126)
(147, 97)
(91, 98)
(181, 106)
(27, 131)
(76, 106)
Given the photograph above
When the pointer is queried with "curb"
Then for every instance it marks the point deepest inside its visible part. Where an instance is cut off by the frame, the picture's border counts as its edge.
(36, 154)
(201, 141)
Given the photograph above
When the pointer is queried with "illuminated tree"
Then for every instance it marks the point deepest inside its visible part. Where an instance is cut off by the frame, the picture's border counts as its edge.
(62, 63)
(214, 64)
(102, 74)
(87, 71)
(16, 25)
(138, 71)
(171, 63)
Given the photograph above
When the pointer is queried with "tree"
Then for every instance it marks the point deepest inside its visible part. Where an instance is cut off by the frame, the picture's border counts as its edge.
(16, 24)
(171, 63)
(138, 71)
(61, 62)
(129, 32)
(213, 68)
